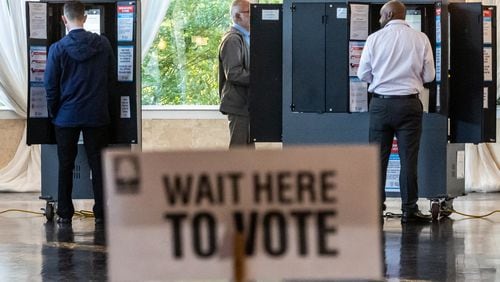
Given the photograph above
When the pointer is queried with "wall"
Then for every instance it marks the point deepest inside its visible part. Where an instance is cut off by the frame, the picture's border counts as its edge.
(157, 134)
(11, 132)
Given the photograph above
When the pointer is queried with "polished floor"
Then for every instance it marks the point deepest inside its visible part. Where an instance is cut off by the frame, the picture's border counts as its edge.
(453, 249)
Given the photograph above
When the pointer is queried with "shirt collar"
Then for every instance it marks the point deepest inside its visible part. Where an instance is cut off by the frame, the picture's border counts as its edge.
(75, 28)
(242, 29)
(397, 22)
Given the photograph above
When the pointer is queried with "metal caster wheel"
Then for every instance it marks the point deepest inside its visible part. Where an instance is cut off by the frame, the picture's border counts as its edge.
(49, 211)
(435, 210)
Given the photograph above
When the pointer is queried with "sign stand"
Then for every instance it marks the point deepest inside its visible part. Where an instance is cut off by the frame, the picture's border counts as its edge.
(239, 257)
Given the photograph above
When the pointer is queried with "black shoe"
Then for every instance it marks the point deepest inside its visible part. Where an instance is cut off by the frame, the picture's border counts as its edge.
(62, 220)
(415, 216)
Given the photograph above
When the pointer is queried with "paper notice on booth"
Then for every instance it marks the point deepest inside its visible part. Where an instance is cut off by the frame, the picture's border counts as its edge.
(125, 23)
(38, 101)
(175, 214)
(38, 20)
(358, 95)
(124, 107)
(125, 63)
(487, 26)
(488, 63)
(38, 61)
(355, 51)
(359, 21)
(270, 15)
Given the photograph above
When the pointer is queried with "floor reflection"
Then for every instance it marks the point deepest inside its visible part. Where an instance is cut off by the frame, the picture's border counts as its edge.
(423, 251)
(455, 249)
(70, 256)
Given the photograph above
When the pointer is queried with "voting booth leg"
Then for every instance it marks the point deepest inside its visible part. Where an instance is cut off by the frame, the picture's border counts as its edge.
(82, 178)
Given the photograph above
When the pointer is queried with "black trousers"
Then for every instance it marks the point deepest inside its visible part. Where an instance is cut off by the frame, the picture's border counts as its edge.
(239, 131)
(95, 139)
(401, 118)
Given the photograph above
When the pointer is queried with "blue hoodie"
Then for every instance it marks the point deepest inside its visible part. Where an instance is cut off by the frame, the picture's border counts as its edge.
(78, 80)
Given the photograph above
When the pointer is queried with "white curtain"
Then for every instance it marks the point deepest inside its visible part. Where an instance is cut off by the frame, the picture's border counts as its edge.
(22, 173)
(152, 15)
(482, 168)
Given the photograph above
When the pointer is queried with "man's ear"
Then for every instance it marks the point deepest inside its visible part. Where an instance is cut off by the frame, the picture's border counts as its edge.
(64, 19)
(390, 15)
(84, 18)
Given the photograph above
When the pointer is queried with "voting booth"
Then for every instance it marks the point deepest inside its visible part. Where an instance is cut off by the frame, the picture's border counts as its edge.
(323, 102)
(119, 21)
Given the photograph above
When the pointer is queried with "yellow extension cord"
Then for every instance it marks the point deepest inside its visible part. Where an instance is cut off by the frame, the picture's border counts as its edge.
(471, 215)
(81, 213)
(393, 215)
(85, 213)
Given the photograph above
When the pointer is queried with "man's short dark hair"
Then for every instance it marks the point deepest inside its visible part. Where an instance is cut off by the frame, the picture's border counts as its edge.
(74, 10)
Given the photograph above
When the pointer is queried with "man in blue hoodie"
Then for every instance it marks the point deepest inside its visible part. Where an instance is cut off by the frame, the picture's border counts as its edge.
(78, 79)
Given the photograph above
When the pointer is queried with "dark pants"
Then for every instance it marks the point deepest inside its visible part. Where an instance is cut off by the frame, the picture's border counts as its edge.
(239, 130)
(95, 139)
(401, 118)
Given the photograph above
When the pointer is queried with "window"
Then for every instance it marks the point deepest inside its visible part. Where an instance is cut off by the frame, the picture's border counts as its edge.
(181, 68)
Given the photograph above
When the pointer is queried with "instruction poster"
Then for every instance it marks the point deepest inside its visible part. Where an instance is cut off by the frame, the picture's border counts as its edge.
(359, 21)
(488, 63)
(38, 20)
(125, 23)
(393, 169)
(487, 27)
(38, 101)
(358, 95)
(296, 214)
(38, 61)
(124, 107)
(125, 63)
(355, 51)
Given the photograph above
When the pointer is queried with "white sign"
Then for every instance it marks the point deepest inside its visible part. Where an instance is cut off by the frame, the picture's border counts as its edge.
(124, 107)
(306, 213)
(358, 95)
(38, 20)
(270, 15)
(460, 164)
(38, 101)
(359, 21)
(485, 97)
(341, 13)
(125, 63)
(488, 63)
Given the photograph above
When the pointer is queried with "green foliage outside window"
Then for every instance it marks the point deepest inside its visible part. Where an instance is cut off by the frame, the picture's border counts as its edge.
(181, 68)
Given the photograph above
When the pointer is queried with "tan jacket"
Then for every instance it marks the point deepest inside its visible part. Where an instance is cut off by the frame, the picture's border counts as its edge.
(234, 73)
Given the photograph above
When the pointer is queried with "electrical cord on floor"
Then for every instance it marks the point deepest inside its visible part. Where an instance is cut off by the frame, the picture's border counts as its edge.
(23, 211)
(398, 215)
(472, 215)
(82, 213)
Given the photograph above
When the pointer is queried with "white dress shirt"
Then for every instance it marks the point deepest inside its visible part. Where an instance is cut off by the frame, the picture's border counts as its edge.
(397, 60)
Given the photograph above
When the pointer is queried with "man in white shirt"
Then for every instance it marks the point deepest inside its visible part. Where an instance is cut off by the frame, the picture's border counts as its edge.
(396, 62)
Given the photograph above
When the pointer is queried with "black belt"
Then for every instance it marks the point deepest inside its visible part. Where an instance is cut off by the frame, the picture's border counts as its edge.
(411, 96)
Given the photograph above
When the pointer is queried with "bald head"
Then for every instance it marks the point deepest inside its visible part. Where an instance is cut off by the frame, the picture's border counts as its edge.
(392, 10)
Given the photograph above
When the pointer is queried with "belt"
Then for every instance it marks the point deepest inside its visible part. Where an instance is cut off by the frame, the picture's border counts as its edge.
(411, 96)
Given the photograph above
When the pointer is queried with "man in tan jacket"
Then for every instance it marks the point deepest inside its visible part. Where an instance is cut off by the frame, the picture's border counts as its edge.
(234, 75)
